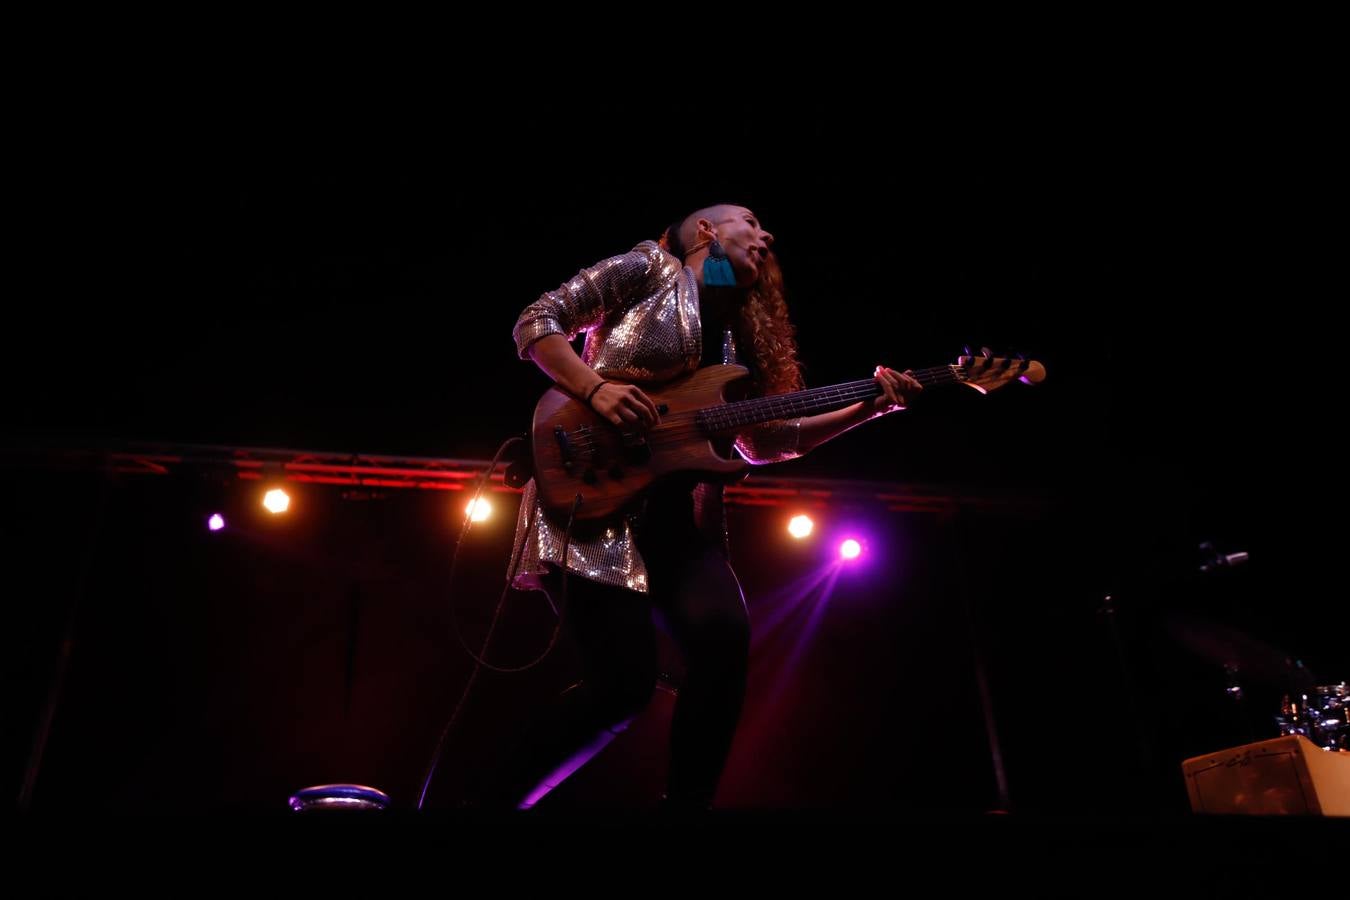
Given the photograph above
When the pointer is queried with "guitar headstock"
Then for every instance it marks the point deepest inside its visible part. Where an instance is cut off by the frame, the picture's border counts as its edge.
(987, 373)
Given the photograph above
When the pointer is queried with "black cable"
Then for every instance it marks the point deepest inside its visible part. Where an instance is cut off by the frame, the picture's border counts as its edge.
(479, 658)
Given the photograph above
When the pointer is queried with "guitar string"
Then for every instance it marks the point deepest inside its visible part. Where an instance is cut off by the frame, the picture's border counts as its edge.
(826, 397)
(722, 417)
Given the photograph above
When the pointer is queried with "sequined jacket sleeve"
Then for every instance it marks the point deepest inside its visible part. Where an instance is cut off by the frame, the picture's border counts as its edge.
(771, 442)
(589, 297)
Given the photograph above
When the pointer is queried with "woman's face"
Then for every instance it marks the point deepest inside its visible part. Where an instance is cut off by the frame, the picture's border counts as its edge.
(745, 242)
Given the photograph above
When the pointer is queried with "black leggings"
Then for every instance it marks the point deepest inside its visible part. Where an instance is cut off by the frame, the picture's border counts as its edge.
(693, 585)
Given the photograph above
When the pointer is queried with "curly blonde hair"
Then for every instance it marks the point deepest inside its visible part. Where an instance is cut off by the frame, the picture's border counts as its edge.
(762, 325)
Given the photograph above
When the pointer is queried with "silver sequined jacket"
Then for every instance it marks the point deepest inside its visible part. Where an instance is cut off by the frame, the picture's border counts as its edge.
(640, 313)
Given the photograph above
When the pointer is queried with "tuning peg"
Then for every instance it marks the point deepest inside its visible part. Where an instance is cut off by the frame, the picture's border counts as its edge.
(965, 350)
(986, 352)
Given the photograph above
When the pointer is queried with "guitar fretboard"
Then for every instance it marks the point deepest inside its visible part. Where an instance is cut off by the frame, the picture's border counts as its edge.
(731, 416)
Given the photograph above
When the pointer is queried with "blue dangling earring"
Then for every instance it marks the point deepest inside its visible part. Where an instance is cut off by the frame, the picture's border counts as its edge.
(717, 271)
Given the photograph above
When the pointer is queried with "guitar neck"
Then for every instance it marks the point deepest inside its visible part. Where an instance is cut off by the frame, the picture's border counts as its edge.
(743, 413)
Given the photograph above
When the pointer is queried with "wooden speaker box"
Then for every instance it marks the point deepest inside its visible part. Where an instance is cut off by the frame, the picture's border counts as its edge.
(1287, 775)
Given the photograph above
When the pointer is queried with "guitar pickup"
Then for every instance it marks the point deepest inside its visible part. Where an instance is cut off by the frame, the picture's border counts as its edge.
(636, 451)
(564, 448)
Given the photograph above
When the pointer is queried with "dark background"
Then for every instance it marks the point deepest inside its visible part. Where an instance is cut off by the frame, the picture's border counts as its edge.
(304, 275)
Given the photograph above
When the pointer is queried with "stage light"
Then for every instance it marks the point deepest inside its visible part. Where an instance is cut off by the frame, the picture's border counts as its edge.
(276, 501)
(479, 510)
(800, 526)
(850, 549)
(216, 522)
